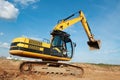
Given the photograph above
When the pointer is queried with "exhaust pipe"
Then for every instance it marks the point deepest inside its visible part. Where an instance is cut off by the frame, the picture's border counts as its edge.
(94, 45)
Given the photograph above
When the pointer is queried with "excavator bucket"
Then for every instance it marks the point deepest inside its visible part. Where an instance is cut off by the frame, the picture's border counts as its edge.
(93, 45)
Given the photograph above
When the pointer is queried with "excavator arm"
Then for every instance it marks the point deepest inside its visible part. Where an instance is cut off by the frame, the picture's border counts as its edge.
(67, 22)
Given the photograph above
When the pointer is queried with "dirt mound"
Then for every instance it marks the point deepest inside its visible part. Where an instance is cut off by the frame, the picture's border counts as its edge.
(9, 70)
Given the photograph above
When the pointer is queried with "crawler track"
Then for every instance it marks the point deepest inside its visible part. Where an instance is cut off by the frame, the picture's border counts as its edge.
(46, 67)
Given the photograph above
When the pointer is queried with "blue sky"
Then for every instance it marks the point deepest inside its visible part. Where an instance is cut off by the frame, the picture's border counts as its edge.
(36, 19)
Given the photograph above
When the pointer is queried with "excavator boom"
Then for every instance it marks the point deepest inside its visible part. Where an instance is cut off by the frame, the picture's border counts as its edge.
(67, 22)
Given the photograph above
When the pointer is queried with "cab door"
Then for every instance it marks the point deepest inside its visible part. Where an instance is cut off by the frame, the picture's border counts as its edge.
(61, 47)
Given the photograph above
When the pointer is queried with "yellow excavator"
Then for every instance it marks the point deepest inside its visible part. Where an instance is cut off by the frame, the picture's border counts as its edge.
(60, 48)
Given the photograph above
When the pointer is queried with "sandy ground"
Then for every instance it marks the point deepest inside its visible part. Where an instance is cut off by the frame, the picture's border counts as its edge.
(9, 70)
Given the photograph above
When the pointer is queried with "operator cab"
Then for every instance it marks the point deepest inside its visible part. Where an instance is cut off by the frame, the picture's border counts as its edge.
(61, 44)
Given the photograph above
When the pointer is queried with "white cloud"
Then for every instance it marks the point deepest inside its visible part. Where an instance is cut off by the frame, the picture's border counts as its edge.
(1, 33)
(26, 2)
(34, 38)
(4, 45)
(34, 6)
(71, 29)
(113, 51)
(8, 10)
(108, 27)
